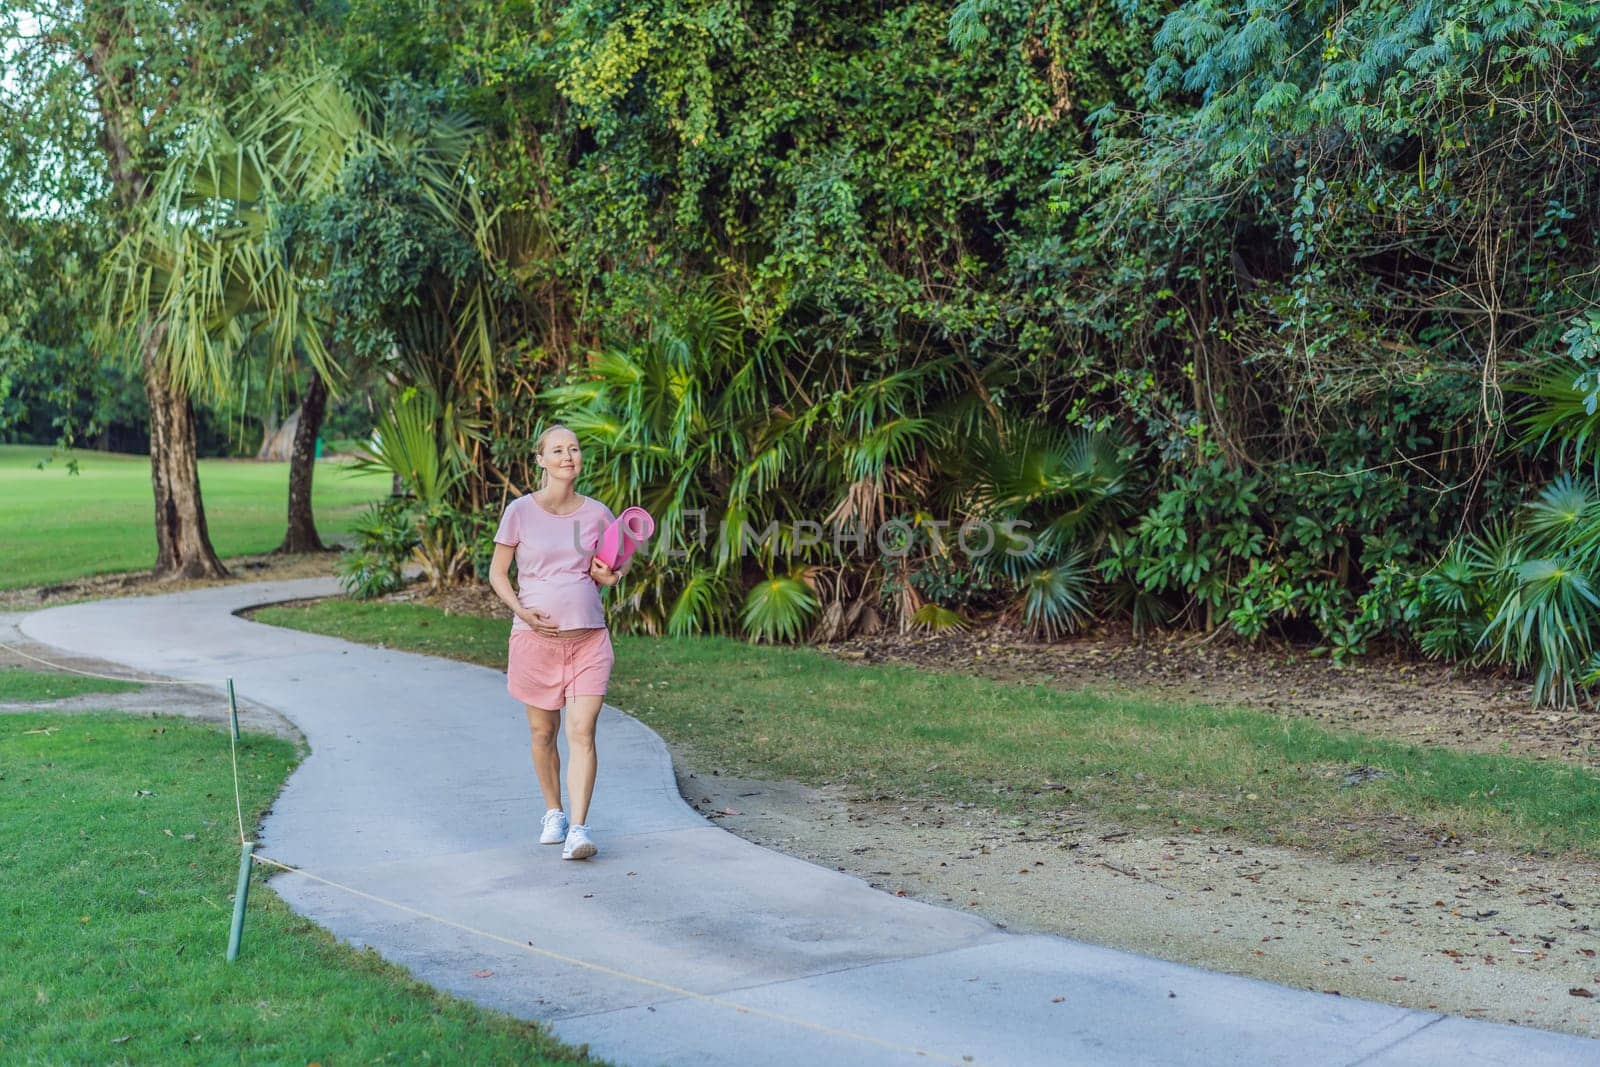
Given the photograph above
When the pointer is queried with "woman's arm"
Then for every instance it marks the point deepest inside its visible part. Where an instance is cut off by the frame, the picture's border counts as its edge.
(604, 575)
(500, 582)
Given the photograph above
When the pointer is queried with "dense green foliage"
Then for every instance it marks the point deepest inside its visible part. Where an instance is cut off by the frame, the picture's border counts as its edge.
(1232, 315)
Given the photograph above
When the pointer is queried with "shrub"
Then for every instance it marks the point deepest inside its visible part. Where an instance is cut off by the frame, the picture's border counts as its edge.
(385, 540)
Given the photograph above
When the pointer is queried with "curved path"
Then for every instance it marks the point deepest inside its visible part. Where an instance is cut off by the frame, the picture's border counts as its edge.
(418, 789)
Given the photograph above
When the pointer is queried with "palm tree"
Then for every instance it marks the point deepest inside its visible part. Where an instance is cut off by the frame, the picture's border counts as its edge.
(183, 546)
(210, 268)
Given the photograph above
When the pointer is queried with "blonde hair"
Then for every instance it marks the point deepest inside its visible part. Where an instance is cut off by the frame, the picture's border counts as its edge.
(538, 449)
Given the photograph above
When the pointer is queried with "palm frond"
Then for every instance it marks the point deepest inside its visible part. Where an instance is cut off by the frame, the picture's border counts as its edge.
(778, 609)
(697, 609)
(1047, 468)
(1549, 623)
(1055, 600)
(889, 444)
(406, 443)
(1562, 509)
(884, 397)
(1565, 413)
(934, 618)
(1452, 584)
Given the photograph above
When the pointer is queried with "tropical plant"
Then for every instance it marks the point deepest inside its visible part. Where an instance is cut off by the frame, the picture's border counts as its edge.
(1546, 610)
(414, 442)
(385, 541)
(1452, 611)
(1049, 501)
(778, 608)
(1546, 624)
(1524, 594)
(1055, 599)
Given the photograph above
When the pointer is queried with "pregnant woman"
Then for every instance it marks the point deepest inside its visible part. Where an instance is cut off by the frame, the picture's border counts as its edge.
(560, 649)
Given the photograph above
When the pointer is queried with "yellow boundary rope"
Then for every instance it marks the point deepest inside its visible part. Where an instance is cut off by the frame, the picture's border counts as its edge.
(238, 800)
(92, 674)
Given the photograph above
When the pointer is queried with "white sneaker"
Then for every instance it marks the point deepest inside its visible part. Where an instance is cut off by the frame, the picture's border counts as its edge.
(555, 827)
(580, 846)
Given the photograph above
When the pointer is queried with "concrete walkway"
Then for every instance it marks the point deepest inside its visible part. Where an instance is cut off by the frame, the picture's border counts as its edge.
(419, 789)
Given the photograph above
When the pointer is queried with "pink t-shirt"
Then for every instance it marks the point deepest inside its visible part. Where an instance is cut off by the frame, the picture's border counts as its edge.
(553, 554)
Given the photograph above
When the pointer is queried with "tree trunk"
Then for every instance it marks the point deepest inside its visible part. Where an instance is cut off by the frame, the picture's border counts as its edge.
(269, 430)
(183, 547)
(279, 448)
(302, 533)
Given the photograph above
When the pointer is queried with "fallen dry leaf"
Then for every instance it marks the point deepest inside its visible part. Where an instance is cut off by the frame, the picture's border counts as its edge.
(483, 974)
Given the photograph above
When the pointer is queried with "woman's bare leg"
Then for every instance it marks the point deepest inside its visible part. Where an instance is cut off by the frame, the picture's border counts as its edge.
(543, 724)
(583, 763)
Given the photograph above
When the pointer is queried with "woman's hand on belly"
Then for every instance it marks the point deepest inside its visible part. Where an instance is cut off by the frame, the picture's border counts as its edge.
(539, 621)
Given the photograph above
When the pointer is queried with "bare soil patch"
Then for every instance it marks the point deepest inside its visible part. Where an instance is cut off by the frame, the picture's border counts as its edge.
(189, 701)
(1490, 936)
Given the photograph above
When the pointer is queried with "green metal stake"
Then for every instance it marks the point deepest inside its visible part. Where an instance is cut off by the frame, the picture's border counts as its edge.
(240, 895)
(233, 710)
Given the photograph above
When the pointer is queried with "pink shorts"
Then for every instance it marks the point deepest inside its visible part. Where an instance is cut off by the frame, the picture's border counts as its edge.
(543, 671)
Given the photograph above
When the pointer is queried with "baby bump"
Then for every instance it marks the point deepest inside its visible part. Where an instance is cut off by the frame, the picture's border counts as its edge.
(570, 603)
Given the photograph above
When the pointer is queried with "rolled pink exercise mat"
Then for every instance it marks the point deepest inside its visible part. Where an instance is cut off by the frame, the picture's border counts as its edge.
(622, 537)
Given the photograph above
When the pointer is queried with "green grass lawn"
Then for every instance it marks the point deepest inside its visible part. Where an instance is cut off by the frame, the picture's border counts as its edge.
(22, 686)
(57, 526)
(796, 713)
(118, 855)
